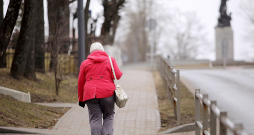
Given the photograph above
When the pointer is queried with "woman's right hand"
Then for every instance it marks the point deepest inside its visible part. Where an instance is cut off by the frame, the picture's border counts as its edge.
(81, 104)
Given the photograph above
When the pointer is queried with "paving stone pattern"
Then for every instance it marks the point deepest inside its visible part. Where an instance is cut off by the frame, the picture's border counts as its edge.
(137, 117)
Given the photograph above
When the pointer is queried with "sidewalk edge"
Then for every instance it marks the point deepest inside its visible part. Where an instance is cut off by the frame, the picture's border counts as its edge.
(178, 129)
(61, 119)
(157, 112)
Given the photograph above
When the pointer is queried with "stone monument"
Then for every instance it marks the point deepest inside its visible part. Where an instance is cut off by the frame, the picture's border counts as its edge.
(224, 35)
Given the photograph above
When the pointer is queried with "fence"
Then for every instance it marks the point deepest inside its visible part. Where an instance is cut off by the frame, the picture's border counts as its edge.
(9, 57)
(224, 125)
(67, 64)
(209, 108)
(170, 75)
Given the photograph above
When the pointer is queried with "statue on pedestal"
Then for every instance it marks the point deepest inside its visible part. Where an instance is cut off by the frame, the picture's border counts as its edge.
(224, 19)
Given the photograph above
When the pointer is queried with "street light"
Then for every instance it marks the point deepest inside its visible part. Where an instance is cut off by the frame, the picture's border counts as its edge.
(151, 24)
(81, 33)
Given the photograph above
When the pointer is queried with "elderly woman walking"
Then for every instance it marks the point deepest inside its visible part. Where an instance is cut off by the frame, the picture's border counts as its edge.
(96, 89)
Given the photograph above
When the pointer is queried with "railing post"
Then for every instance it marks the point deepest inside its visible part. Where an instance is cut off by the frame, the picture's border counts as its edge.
(205, 114)
(223, 129)
(178, 98)
(197, 112)
(213, 119)
(173, 91)
(168, 74)
(173, 76)
(238, 128)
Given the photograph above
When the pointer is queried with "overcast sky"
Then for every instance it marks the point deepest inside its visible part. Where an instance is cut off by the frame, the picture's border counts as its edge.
(207, 11)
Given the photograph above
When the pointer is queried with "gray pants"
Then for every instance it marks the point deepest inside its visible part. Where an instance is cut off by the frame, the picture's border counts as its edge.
(98, 108)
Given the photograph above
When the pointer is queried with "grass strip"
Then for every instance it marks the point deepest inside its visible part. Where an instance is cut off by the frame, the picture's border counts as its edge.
(14, 113)
(166, 109)
(43, 88)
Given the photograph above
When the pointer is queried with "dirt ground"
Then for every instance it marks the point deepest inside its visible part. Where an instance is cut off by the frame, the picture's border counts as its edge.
(166, 109)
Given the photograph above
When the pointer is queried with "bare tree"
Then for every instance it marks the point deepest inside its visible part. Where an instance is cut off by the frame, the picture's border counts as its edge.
(247, 8)
(111, 19)
(55, 45)
(58, 13)
(185, 35)
(136, 43)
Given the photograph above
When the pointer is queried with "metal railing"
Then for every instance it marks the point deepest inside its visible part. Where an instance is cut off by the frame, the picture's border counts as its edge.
(225, 124)
(170, 76)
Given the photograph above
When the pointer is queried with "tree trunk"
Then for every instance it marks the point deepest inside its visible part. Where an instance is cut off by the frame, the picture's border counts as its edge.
(7, 27)
(56, 82)
(40, 39)
(23, 60)
(30, 62)
(54, 54)
(1, 11)
(64, 27)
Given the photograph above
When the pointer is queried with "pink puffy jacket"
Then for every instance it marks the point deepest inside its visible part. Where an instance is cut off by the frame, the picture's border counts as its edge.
(95, 78)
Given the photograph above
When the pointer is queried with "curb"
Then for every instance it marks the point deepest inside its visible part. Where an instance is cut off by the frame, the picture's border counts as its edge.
(157, 112)
(186, 127)
(60, 120)
(178, 129)
(69, 105)
(16, 130)
(158, 118)
(21, 96)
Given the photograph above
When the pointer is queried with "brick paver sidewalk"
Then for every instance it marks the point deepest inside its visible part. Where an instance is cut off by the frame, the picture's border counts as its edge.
(137, 117)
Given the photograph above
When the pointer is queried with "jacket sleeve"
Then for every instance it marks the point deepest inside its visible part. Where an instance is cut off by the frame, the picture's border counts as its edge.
(116, 68)
(81, 82)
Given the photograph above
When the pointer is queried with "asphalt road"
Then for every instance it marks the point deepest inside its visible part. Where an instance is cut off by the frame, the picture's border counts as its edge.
(233, 89)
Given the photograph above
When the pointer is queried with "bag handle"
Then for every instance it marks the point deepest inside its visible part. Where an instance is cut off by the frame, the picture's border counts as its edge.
(115, 80)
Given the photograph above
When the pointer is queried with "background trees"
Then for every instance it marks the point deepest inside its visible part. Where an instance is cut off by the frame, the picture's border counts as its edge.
(247, 8)
(178, 34)
(31, 43)
(187, 37)
(134, 38)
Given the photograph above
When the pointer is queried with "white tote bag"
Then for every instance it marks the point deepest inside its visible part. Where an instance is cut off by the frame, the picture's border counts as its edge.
(121, 97)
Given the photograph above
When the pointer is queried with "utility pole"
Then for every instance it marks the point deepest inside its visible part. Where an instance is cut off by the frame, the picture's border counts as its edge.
(81, 33)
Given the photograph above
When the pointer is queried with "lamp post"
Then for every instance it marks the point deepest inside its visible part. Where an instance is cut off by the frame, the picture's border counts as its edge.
(151, 24)
(81, 33)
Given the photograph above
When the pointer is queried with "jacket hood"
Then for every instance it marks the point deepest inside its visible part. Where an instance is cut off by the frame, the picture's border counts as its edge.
(98, 56)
